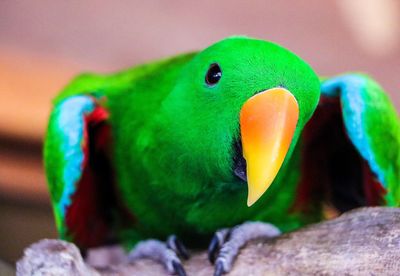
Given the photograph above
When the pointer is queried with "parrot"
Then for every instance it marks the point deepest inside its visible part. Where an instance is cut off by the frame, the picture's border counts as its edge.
(240, 141)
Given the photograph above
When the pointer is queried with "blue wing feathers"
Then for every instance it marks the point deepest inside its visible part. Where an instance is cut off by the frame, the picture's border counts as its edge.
(71, 124)
(352, 92)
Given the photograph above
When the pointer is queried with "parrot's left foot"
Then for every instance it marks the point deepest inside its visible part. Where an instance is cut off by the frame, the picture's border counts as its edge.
(166, 253)
(226, 243)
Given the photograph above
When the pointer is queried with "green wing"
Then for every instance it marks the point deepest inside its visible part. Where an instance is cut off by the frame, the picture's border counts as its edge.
(77, 154)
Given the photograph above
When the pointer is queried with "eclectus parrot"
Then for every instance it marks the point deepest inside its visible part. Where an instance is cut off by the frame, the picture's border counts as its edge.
(239, 141)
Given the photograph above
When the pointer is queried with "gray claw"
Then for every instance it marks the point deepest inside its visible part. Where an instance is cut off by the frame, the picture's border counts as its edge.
(159, 252)
(219, 238)
(177, 246)
(219, 269)
(178, 268)
(229, 247)
(213, 249)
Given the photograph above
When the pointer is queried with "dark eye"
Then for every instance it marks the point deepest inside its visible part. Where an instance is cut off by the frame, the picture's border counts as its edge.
(214, 74)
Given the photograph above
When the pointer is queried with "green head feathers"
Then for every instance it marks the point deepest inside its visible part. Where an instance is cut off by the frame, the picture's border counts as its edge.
(204, 107)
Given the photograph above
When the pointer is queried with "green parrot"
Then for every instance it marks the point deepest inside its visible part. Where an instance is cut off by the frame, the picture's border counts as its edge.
(239, 141)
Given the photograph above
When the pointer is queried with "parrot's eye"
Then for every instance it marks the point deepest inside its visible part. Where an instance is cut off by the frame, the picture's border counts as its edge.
(214, 74)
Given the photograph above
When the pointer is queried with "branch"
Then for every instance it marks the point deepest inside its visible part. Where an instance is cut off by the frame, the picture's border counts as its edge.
(363, 241)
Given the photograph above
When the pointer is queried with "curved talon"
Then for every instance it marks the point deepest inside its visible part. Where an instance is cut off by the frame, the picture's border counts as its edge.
(229, 243)
(219, 269)
(178, 268)
(213, 249)
(177, 246)
(219, 238)
(182, 251)
(165, 253)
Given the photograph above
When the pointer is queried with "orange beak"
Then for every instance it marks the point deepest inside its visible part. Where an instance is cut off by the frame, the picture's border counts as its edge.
(267, 124)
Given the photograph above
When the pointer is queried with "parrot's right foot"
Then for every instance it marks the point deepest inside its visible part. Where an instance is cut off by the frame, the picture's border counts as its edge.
(166, 253)
(226, 243)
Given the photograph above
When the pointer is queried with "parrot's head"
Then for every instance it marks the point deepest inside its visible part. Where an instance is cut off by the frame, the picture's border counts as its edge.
(237, 110)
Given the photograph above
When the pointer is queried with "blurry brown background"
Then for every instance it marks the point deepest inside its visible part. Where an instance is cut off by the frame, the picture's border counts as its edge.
(43, 44)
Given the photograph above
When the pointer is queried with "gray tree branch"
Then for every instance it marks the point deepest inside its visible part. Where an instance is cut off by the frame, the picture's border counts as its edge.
(365, 241)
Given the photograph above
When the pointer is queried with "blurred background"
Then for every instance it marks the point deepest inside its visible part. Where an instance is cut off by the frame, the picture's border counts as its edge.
(43, 44)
